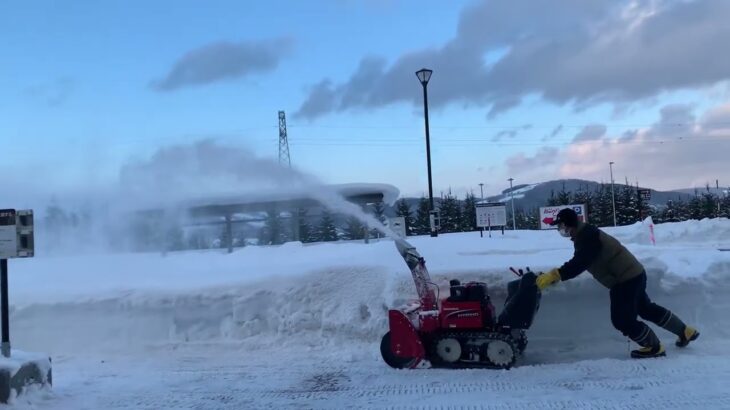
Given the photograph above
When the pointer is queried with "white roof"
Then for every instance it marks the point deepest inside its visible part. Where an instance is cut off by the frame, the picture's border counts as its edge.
(303, 192)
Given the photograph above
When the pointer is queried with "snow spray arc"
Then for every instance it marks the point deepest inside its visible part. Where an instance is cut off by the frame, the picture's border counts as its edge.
(335, 202)
(206, 169)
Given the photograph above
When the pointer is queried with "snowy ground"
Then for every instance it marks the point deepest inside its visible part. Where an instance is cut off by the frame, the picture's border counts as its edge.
(299, 327)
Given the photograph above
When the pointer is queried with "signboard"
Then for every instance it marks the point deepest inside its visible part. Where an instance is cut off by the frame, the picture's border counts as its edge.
(491, 214)
(434, 218)
(16, 233)
(8, 234)
(548, 213)
(398, 225)
(645, 194)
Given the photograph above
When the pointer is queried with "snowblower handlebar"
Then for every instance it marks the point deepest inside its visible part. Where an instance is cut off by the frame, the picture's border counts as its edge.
(520, 272)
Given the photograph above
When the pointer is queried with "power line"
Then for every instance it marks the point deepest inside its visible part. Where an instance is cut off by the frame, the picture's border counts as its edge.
(473, 142)
(524, 127)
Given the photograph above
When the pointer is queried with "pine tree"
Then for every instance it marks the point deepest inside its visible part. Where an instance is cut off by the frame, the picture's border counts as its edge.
(450, 214)
(469, 213)
(552, 200)
(404, 210)
(695, 207)
(725, 206)
(527, 219)
(223, 238)
(306, 230)
(174, 238)
(683, 211)
(327, 231)
(240, 238)
(605, 201)
(597, 214)
(669, 213)
(146, 234)
(197, 240)
(273, 231)
(422, 224)
(379, 211)
(56, 222)
(564, 196)
(709, 204)
(354, 229)
(521, 219)
(582, 196)
(627, 205)
(533, 219)
(379, 214)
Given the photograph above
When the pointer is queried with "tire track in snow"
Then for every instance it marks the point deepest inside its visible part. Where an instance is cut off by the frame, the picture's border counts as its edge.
(462, 388)
(697, 401)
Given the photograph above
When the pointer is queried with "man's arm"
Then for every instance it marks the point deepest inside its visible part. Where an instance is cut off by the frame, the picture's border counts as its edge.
(587, 247)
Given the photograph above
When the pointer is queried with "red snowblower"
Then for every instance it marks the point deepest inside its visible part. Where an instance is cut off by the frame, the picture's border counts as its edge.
(461, 330)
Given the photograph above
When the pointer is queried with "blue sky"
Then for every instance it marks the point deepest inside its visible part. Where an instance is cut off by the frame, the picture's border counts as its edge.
(80, 92)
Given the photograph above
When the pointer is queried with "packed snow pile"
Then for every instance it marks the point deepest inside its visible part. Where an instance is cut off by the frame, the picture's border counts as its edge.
(299, 326)
(323, 293)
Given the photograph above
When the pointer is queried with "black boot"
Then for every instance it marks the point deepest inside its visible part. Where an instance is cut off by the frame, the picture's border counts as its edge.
(689, 334)
(675, 325)
(651, 346)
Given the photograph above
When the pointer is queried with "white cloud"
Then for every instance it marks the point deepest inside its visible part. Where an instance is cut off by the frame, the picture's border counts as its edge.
(567, 51)
(224, 61)
(675, 152)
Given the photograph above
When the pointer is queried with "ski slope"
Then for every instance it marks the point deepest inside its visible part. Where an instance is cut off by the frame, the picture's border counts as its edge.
(299, 326)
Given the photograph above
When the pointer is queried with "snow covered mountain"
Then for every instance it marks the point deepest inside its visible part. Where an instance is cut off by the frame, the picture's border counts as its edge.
(529, 196)
(535, 195)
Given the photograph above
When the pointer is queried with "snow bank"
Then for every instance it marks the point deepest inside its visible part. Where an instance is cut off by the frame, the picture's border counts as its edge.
(334, 293)
(707, 233)
(19, 358)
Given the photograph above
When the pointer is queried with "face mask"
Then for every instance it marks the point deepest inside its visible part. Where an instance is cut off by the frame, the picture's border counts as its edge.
(563, 230)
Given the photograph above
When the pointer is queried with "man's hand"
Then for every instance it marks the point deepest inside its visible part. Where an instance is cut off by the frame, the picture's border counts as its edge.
(547, 279)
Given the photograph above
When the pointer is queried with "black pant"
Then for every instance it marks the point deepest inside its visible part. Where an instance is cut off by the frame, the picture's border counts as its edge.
(629, 299)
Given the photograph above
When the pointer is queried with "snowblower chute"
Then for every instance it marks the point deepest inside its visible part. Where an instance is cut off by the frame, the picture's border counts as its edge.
(461, 330)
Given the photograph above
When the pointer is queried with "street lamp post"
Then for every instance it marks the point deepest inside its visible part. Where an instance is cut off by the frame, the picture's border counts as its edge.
(613, 194)
(512, 195)
(481, 189)
(424, 75)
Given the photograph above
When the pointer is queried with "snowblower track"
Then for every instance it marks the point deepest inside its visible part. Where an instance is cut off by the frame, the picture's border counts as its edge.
(457, 389)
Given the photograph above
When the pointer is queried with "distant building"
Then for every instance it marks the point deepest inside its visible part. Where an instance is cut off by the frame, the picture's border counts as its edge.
(233, 218)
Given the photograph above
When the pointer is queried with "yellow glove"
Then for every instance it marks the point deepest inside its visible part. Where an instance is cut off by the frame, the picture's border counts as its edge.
(547, 279)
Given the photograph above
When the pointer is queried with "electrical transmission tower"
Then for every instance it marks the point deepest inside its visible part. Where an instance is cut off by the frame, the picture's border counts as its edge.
(283, 141)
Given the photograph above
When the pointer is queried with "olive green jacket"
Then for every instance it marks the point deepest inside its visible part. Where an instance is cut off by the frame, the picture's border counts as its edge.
(602, 255)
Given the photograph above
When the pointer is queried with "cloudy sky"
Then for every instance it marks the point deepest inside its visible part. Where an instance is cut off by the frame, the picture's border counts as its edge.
(529, 89)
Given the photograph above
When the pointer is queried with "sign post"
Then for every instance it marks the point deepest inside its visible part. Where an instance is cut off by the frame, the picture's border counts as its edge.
(16, 241)
(434, 219)
(491, 214)
(5, 308)
(643, 195)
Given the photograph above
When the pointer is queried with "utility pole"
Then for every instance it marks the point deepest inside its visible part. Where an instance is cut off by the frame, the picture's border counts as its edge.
(284, 158)
(613, 193)
(638, 203)
(512, 194)
(719, 198)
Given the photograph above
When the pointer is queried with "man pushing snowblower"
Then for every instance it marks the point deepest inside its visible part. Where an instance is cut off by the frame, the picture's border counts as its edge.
(616, 268)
